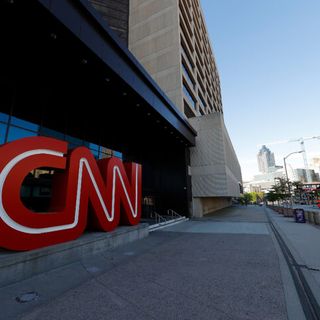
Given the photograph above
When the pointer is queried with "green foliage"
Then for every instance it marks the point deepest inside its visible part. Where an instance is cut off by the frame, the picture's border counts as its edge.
(279, 191)
(251, 197)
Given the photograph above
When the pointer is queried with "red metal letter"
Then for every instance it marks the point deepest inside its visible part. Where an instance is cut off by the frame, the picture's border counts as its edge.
(108, 186)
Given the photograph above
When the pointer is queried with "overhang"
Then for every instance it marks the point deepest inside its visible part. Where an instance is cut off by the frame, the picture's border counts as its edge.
(86, 24)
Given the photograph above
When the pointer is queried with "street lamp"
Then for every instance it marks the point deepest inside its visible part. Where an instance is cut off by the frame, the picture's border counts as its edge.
(285, 168)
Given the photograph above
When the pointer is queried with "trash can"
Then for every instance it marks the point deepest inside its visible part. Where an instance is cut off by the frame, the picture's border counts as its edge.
(299, 215)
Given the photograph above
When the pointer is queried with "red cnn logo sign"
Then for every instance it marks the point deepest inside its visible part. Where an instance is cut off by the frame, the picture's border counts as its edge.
(110, 189)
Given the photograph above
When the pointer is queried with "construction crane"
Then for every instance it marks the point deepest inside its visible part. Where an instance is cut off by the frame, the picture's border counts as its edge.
(302, 148)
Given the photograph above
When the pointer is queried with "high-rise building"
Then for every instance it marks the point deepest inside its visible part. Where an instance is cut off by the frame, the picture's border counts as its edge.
(265, 160)
(170, 39)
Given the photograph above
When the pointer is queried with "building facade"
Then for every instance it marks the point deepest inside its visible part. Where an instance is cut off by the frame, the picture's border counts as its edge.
(75, 80)
(215, 171)
(170, 39)
(302, 175)
(79, 60)
(265, 160)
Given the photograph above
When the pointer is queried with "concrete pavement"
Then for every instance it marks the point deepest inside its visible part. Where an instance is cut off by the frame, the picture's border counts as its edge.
(303, 241)
(227, 266)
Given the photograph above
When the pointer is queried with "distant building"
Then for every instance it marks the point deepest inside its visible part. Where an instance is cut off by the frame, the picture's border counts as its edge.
(301, 175)
(251, 187)
(265, 160)
(316, 164)
(267, 180)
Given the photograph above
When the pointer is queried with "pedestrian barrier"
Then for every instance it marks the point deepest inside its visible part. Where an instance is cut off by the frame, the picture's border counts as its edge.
(312, 217)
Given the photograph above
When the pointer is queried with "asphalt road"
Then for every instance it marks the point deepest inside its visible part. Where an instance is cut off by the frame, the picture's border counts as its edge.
(223, 267)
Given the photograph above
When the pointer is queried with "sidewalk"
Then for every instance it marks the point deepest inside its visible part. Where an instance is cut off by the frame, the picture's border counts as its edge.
(222, 270)
(303, 240)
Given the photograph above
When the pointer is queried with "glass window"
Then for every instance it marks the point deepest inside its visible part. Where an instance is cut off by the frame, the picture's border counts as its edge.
(24, 124)
(189, 96)
(117, 154)
(104, 155)
(202, 101)
(3, 130)
(187, 74)
(51, 133)
(74, 141)
(18, 133)
(4, 117)
(93, 146)
(95, 153)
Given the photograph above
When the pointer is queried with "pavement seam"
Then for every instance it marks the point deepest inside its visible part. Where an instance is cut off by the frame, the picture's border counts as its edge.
(292, 301)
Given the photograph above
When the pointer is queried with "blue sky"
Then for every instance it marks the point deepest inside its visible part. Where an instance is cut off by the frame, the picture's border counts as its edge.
(268, 56)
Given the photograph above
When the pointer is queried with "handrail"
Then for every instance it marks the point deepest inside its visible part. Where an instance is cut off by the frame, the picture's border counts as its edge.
(173, 214)
(159, 218)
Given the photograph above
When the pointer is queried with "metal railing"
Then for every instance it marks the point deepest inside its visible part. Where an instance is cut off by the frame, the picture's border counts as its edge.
(174, 215)
(158, 217)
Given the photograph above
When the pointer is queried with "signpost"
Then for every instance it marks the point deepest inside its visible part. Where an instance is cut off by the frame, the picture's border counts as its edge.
(299, 215)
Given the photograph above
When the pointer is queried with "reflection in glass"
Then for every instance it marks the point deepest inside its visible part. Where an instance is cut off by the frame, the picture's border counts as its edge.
(93, 146)
(3, 129)
(17, 133)
(24, 124)
(117, 154)
(4, 117)
(74, 142)
(51, 133)
(95, 153)
(104, 155)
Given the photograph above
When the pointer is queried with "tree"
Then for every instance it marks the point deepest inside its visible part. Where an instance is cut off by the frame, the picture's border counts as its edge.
(297, 190)
(246, 198)
(257, 196)
(279, 191)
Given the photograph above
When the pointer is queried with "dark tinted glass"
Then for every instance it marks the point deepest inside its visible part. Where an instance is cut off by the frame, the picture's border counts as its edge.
(4, 117)
(17, 133)
(24, 124)
(3, 129)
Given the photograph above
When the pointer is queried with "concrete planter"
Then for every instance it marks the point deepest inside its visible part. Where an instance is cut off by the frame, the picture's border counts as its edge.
(310, 216)
(316, 217)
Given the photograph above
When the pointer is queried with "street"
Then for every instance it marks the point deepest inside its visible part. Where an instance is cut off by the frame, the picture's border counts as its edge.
(225, 266)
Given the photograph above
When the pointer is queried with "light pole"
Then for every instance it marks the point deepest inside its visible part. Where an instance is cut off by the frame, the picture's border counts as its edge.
(285, 168)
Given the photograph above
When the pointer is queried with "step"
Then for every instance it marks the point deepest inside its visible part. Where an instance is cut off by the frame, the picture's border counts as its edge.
(17, 266)
(165, 224)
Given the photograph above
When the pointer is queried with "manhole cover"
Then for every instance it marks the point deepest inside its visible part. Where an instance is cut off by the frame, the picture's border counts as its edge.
(27, 297)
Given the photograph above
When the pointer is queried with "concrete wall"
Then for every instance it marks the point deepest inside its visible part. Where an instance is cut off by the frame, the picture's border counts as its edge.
(116, 14)
(154, 40)
(205, 205)
(215, 170)
(17, 266)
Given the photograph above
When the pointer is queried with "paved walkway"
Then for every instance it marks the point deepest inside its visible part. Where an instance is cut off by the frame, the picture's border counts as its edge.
(227, 266)
(303, 240)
